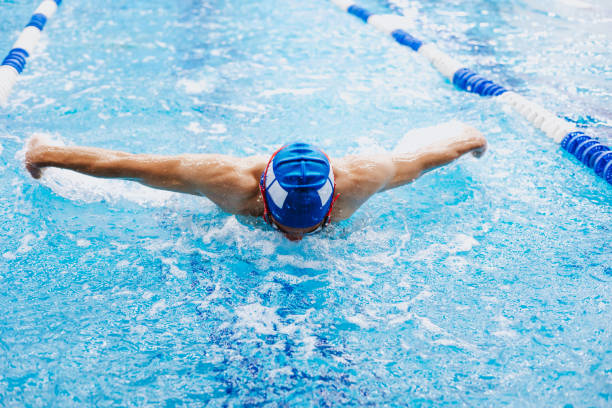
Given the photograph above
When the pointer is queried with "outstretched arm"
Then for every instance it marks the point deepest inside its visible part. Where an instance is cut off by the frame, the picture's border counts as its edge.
(410, 166)
(229, 182)
(360, 177)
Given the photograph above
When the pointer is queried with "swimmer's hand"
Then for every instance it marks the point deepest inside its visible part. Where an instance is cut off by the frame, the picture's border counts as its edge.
(477, 153)
(33, 157)
(477, 141)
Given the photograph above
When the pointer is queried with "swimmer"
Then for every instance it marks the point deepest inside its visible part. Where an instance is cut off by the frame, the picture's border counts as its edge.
(298, 190)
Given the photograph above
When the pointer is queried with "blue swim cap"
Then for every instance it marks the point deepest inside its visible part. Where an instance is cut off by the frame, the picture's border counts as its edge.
(299, 185)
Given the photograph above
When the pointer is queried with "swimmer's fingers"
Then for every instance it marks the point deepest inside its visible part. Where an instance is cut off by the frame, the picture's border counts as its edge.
(31, 158)
(34, 170)
(472, 140)
(479, 144)
(479, 151)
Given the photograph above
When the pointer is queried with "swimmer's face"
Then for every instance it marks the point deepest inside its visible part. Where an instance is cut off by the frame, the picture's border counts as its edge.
(295, 234)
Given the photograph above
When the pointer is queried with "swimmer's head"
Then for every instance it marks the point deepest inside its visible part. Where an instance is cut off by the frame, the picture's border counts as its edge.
(298, 187)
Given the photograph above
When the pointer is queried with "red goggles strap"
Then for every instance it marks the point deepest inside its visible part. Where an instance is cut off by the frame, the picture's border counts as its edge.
(327, 218)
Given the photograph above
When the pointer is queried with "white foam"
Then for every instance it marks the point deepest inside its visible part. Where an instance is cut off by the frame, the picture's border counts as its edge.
(158, 307)
(122, 292)
(9, 256)
(218, 128)
(459, 244)
(368, 145)
(505, 333)
(202, 85)
(123, 264)
(10, 137)
(361, 320)
(418, 139)
(300, 262)
(350, 98)
(139, 329)
(429, 325)
(257, 108)
(457, 264)
(79, 187)
(456, 343)
(249, 241)
(404, 306)
(261, 319)
(48, 139)
(286, 370)
(296, 92)
(361, 278)
(449, 340)
(174, 270)
(195, 127)
(216, 294)
(577, 3)
(24, 244)
(83, 243)
(46, 102)
(462, 243)
(120, 247)
(504, 328)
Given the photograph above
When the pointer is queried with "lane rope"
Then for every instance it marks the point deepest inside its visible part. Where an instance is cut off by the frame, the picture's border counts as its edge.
(14, 63)
(589, 150)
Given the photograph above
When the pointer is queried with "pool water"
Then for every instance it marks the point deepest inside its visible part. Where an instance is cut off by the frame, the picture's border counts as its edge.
(485, 282)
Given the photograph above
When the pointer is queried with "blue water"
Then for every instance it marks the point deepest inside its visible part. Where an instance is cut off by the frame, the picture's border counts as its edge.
(487, 282)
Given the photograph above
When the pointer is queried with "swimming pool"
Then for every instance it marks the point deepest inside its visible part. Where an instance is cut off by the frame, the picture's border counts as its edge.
(487, 281)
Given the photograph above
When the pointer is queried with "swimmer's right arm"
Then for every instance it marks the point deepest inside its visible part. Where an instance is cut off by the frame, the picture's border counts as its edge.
(229, 182)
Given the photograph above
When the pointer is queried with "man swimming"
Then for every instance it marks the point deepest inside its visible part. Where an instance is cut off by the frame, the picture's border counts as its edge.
(298, 190)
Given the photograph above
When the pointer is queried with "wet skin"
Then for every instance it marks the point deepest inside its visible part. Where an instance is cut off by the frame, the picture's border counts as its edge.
(233, 183)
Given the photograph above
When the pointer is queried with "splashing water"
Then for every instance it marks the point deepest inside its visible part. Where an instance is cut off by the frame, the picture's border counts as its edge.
(484, 282)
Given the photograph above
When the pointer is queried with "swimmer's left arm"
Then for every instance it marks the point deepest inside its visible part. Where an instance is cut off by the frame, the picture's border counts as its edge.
(360, 177)
(410, 166)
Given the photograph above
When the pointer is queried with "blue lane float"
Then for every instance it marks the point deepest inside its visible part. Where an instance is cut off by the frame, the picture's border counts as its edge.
(16, 58)
(470, 81)
(588, 150)
(359, 12)
(404, 38)
(14, 63)
(38, 20)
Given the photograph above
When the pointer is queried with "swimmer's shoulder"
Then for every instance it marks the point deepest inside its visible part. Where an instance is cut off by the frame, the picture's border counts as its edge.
(251, 170)
(361, 176)
(254, 166)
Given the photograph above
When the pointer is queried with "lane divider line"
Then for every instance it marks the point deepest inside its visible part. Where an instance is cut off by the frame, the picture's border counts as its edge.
(589, 150)
(14, 63)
